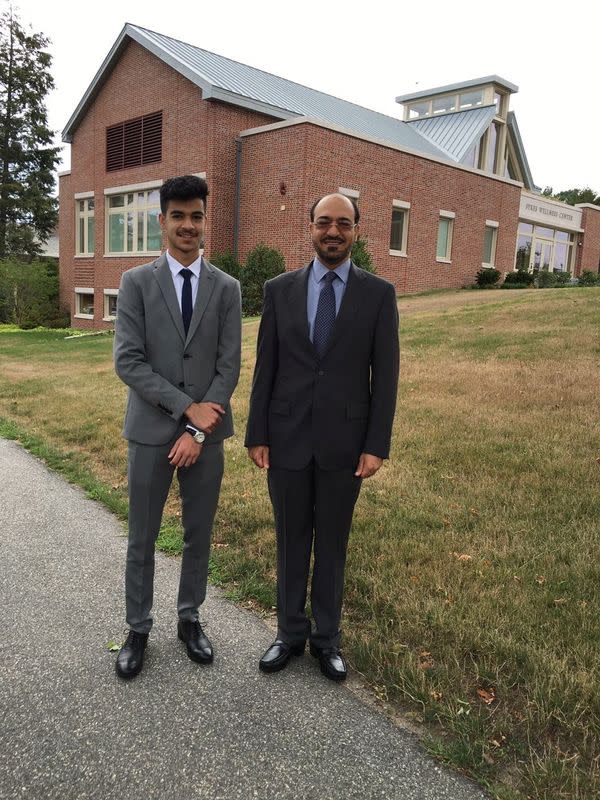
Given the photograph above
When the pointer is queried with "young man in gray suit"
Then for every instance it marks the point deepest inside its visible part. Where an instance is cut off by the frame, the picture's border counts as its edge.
(177, 347)
(321, 414)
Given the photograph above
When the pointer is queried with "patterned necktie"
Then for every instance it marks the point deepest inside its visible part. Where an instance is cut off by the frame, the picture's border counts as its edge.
(186, 298)
(325, 316)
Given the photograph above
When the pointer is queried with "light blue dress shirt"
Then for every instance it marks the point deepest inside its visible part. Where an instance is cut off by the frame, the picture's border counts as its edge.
(317, 273)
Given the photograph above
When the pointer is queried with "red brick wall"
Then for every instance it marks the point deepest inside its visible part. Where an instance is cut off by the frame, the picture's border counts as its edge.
(313, 161)
(588, 254)
(198, 136)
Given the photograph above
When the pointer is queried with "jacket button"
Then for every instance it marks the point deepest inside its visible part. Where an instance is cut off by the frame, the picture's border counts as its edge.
(186, 355)
(181, 384)
(321, 372)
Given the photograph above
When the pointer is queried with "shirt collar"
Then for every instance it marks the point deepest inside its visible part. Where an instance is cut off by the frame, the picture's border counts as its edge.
(342, 271)
(176, 267)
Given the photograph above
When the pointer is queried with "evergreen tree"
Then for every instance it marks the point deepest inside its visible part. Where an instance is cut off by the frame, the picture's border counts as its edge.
(28, 212)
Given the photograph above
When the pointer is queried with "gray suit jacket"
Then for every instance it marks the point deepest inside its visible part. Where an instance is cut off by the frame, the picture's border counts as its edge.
(165, 370)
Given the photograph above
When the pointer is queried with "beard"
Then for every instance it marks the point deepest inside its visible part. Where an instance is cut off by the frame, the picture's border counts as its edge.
(333, 252)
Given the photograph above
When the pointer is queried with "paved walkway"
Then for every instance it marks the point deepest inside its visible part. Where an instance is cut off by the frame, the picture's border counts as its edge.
(69, 728)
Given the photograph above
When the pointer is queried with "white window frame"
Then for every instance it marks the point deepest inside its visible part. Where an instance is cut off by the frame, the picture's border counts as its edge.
(108, 317)
(405, 207)
(492, 225)
(86, 214)
(116, 191)
(80, 290)
(353, 193)
(450, 216)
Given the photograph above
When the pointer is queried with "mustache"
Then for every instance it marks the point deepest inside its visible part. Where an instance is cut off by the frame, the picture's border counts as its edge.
(333, 239)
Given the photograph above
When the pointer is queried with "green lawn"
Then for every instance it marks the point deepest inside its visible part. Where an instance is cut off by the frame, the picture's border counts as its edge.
(472, 580)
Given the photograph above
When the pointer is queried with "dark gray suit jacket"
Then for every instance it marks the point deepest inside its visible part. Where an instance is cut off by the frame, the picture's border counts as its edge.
(165, 370)
(335, 408)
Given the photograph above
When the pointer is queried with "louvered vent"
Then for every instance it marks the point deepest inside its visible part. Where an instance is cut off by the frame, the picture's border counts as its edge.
(137, 141)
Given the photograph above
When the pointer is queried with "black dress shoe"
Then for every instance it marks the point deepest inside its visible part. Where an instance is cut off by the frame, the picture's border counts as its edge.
(331, 662)
(278, 655)
(199, 648)
(131, 656)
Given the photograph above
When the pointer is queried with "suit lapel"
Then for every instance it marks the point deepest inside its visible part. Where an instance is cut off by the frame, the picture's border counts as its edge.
(296, 298)
(206, 286)
(162, 273)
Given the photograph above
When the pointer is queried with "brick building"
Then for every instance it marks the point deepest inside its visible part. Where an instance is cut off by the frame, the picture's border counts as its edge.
(442, 192)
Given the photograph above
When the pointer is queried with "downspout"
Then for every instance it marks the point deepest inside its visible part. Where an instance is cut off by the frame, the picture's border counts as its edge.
(238, 192)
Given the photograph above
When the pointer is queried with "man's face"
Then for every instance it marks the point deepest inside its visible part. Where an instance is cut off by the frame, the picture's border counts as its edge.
(184, 224)
(333, 231)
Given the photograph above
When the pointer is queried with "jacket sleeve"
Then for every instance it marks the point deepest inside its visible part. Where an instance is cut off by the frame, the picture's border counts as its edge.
(229, 351)
(265, 370)
(385, 364)
(131, 363)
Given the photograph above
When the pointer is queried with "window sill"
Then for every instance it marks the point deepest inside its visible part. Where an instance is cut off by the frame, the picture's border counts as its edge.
(154, 253)
(399, 253)
(108, 319)
(83, 255)
(487, 266)
(443, 260)
(83, 316)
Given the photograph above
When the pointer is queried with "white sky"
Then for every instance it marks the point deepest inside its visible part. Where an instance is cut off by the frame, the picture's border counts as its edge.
(369, 52)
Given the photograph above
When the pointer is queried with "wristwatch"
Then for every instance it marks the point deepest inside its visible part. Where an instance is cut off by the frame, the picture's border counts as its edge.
(197, 435)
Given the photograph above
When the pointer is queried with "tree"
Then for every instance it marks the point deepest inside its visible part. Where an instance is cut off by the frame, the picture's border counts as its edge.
(262, 263)
(361, 255)
(28, 212)
(573, 196)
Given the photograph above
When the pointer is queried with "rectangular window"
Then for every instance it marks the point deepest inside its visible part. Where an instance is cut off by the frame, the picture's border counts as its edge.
(132, 224)
(110, 304)
(135, 142)
(444, 238)
(84, 303)
(489, 243)
(399, 228)
(84, 213)
(471, 99)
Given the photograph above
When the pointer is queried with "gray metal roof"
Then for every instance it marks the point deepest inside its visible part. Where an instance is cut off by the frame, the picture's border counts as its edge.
(457, 87)
(222, 79)
(457, 132)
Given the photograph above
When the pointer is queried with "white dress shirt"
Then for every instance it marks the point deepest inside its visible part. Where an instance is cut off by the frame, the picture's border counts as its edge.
(176, 267)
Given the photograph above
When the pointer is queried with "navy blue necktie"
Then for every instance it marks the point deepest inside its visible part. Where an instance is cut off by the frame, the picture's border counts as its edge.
(325, 316)
(186, 298)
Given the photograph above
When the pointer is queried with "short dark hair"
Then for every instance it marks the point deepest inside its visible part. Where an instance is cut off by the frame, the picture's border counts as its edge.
(351, 199)
(184, 187)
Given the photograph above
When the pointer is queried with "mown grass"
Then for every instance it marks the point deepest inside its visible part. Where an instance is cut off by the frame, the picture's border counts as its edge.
(472, 580)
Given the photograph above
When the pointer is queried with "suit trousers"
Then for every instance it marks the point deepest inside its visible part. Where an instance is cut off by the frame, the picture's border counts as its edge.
(313, 508)
(150, 476)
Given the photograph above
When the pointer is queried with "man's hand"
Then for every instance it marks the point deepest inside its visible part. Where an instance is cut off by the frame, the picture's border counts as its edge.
(184, 452)
(205, 416)
(260, 455)
(368, 465)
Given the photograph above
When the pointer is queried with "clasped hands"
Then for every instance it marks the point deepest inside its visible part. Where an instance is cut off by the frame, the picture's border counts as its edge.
(205, 417)
(367, 464)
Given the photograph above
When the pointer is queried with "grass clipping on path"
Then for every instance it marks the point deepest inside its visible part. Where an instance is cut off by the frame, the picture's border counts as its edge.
(472, 578)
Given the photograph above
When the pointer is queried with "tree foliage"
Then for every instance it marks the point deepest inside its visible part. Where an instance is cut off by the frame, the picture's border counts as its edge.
(261, 264)
(29, 295)
(574, 196)
(28, 212)
(360, 254)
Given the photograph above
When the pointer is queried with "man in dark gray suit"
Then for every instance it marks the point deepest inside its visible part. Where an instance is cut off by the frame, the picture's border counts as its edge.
(177, 347)
(321, 414)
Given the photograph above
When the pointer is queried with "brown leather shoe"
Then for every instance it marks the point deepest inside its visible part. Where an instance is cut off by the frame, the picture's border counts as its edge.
(278, 654)
(199, 648)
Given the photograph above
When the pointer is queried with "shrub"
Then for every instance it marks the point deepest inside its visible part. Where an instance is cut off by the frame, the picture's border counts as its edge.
(588, 278)
(361, 256)
(545, 279)
(226, 262)
(29, 295)
(563, 278)
(521, 277)
(487, 277)
(261, 264)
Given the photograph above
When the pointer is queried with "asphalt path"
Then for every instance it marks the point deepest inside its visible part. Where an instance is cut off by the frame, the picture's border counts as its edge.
(70, 728)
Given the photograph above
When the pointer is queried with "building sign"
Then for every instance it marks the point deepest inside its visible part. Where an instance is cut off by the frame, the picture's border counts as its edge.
(551, 213)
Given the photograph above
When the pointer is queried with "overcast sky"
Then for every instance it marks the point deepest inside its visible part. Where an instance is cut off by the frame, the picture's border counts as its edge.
(369, 52)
